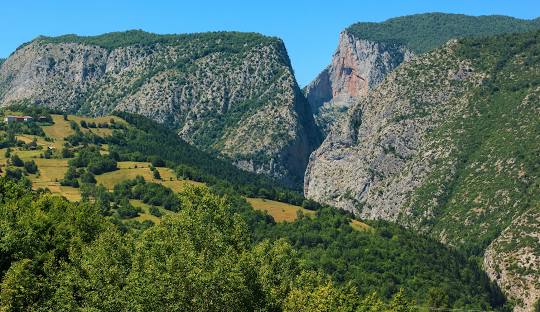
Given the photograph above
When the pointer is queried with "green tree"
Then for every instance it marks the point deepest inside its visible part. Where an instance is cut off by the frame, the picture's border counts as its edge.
(30, 166)
(16, 161)
(437, 299)
(315, 292)
(20, 288)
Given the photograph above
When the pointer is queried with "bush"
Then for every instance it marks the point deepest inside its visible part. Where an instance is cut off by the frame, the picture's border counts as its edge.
(16, 161)
(157, 175)
(128, 211)
(30, 167)
(155, 211)
(67, 153)
(88, 177)
(14, 174)
(157, 161)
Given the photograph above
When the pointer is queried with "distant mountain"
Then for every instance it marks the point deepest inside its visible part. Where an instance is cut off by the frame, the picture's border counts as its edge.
(367, 52)
(2, 61)
(449, 144)
(424, 32)
(225, 92)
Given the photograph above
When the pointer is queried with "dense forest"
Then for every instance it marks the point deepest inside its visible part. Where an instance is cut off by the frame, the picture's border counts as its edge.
(62, 256)
(217, 254)
(424, 32)
(113, 40)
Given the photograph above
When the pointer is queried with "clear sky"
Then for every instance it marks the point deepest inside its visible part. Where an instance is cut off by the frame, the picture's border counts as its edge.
(309, 28)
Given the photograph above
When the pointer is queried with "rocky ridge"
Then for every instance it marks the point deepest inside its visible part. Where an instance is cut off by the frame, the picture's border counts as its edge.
(232, 93)
(367, 52)
(357, 66)
(447, 144)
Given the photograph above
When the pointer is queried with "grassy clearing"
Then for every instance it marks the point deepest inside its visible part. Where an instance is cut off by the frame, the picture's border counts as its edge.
(128, 170)
(360, 226)
(278, 210)
(146, 215)
(283, 212)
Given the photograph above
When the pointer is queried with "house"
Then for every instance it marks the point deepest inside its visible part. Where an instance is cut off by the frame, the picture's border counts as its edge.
(11, 119)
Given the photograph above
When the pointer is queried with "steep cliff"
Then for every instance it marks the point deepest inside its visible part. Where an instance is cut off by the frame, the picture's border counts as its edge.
(367, 52)
(357, 66)
(448, 144)
(232, 93)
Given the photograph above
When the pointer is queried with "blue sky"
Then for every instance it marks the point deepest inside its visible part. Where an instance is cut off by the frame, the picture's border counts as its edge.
(309, 28)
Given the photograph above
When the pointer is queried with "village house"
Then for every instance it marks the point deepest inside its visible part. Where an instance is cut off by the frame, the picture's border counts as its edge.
(12, 118)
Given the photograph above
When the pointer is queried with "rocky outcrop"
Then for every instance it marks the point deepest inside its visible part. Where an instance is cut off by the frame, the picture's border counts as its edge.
(448, 145)
(232, 93)
(513, 260)
(370, 163)
(357, 66)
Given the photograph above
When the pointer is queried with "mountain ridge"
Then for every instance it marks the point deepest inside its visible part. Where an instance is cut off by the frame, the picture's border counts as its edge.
(447, 145)
(375, 49)
(216, 88)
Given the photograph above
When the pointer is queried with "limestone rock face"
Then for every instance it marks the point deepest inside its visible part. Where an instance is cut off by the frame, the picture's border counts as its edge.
(513, 260)
(229, 93)
(357, 66)
(371, 161)
(448, 145)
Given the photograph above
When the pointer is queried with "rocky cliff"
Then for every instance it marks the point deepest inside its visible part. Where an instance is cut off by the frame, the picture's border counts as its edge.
(233, 93)
(448, 144)
(367, 52)
(357, 66)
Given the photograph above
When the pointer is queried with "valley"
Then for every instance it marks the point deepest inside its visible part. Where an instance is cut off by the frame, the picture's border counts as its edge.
(144, 171)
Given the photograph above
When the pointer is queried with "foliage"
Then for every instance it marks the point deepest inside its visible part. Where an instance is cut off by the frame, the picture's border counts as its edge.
(56, 255)
(150, 193)
(91, 159)
(16, 161)
(424, 32)
(386, 260)
(234, 41)
(30, 167)
(147, 140)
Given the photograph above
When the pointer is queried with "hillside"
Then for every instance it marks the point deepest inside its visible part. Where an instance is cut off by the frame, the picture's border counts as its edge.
(227, 93)
(448, 145)
(368, 52)
(109, 167)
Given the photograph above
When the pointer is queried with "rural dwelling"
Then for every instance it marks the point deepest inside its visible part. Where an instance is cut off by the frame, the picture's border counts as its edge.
(11, 118)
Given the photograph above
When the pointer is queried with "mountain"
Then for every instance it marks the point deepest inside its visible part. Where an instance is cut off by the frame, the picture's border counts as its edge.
(2, 61)
(448, 144)
(225, 92)
(367, 52)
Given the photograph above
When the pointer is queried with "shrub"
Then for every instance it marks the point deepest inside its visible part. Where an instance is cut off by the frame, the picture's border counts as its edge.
(16, 161)
(30, 166)
(155, 211)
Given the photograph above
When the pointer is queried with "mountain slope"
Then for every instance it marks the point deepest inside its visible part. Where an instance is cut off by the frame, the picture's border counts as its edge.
(447, 144)
(424, 32)
(367, 52)
(233, 93)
